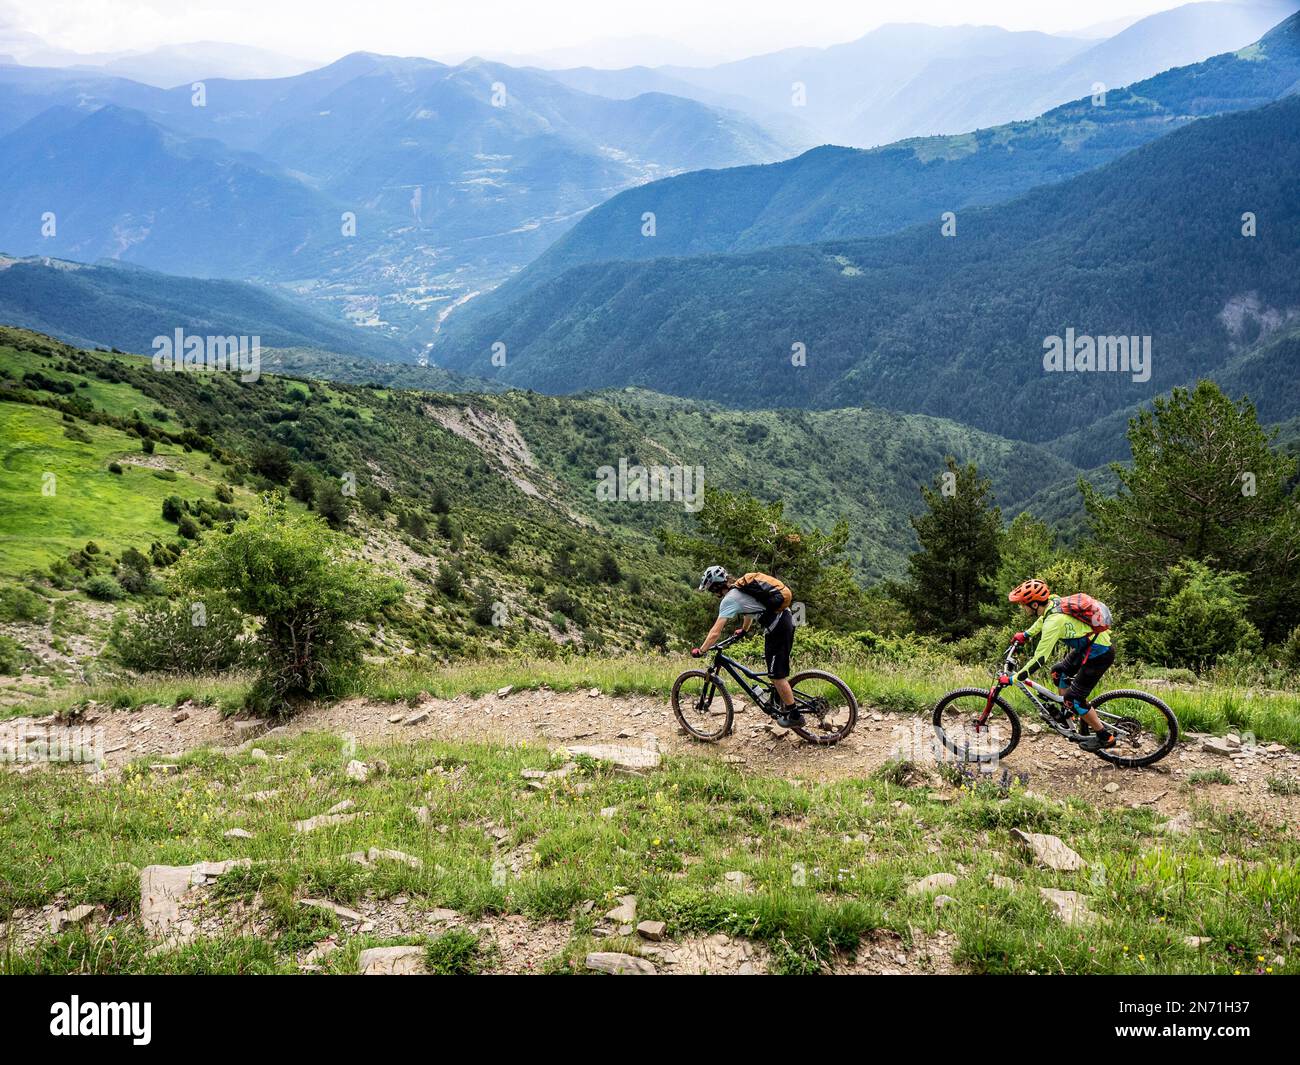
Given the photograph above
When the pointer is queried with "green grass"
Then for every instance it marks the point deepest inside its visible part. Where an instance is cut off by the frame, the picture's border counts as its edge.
(114, 397)
(1208, 776)
(456, 953)
(826, 863)
(88, 502)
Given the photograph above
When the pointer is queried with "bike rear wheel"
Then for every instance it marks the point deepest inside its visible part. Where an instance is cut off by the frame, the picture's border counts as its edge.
(958, 726)
(1145, 728)
(702, 705)
(829, 708)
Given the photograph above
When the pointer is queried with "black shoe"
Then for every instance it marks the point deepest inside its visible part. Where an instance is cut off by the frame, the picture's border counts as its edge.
(1098, 741)
(789, 717)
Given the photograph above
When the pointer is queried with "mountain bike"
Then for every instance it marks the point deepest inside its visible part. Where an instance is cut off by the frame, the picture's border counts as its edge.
(979, 725)
(703, 704)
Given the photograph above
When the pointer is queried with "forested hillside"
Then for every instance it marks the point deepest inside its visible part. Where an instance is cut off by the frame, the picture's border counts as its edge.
(833, 193)
(956, 326)
(125, 307)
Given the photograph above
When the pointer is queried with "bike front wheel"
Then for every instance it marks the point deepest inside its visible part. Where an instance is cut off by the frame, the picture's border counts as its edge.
(1145, 728)
(702, 705)
(967, 731)
(829, 708)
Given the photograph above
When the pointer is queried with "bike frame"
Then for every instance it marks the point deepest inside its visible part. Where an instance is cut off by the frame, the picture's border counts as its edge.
(1031, 689)
(742, 674)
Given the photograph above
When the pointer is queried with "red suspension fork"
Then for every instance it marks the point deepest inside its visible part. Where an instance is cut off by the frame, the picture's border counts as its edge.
(988, 706)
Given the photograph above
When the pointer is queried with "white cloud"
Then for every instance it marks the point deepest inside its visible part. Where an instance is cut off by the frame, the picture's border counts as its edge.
(328, 28)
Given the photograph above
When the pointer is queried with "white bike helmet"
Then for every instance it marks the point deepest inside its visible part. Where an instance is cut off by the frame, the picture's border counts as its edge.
(713, 576)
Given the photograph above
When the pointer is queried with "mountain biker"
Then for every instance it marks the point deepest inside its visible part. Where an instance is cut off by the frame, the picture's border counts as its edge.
(1087, 657)
(778, 639)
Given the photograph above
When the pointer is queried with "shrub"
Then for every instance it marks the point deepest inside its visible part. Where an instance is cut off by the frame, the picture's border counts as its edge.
(115, 467)
(300, 581)
(103, 587)
(456, 953)
(1199, 617)
(303, 485)
(607, 569)
(499, 540)
(448, 582)
(135, 574)
(179, 637)
(484, 606)
(274, 462)
(983, 647)
(561, 602)
(22, 604)
(1290, 650)
(332, 504)
(13, 656)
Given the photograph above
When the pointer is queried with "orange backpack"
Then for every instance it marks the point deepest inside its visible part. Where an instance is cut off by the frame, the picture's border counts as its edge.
(769, 591)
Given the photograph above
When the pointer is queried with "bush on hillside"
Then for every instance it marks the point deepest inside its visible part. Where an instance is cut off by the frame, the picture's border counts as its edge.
(1200, 617)
(13, 656)
(179, 637)
(103, 587)
(1289, 652)
(301, 582)
(22, 604)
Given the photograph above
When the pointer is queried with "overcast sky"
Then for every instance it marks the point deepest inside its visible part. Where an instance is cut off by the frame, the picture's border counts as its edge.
(325, 29)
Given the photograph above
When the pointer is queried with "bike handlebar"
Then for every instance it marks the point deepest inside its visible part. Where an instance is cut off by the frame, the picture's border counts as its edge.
(729, 640)
(1009, 659)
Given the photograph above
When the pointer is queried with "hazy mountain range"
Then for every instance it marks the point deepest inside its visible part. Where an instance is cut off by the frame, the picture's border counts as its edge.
(838, 193)
(1151, 245)
(387, 187)
(382, 196)
(914, 80)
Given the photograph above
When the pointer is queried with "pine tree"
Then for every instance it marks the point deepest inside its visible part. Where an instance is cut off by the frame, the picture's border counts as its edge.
(1205, 485)
(960, 535)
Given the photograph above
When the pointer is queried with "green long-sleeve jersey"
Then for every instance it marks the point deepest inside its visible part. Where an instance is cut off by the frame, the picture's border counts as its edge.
(1055, 628)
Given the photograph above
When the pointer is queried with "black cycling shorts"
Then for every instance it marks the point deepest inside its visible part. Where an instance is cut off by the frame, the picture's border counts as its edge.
(1085, 674)
(777, 645)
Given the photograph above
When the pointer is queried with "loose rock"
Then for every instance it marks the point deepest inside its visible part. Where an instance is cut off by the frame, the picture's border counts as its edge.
(391, 961)
(1049, 851)
(933, 882)
(1069, 906)
(619, 964)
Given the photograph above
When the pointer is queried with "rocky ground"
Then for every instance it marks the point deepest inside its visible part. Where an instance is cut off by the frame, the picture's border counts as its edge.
(1047, 764)
(179, 903)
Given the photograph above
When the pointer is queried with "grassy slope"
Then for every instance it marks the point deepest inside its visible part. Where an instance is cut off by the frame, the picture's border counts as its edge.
(863, 464)
(89, 503)
(673, 835)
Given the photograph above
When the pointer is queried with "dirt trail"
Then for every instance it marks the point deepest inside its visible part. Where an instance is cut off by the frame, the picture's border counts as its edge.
(1053, 767)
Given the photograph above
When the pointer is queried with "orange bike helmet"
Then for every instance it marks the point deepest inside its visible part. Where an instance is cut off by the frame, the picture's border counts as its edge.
(1030, 592)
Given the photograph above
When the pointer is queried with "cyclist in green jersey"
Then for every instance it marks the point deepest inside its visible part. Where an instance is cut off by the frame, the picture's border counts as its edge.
(1087, 656)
